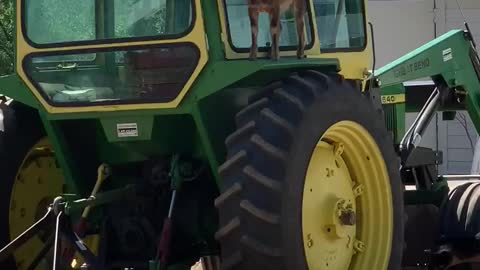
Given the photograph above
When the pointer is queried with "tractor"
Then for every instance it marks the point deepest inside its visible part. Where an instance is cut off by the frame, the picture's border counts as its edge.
(140, 134)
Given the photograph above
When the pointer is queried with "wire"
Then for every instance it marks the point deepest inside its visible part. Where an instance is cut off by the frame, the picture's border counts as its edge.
(462, 119)
(467, 26)
(57, 241)
(461, 11)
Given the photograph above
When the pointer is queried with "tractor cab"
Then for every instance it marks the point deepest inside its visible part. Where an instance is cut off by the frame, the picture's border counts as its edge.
(148, 53)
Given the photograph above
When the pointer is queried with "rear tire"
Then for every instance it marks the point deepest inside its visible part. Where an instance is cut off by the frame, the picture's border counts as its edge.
(264, 176)
(22, 131)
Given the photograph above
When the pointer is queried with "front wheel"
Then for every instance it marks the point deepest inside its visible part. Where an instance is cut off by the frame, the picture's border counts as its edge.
(311, 181)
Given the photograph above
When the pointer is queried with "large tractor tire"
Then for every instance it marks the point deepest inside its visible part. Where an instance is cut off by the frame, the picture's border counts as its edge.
(311, 181)
(29, 180)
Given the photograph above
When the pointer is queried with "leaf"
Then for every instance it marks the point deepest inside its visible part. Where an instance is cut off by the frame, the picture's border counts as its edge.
(6, 37)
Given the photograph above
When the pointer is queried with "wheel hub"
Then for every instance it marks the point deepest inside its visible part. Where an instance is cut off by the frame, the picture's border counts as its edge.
(346, 215)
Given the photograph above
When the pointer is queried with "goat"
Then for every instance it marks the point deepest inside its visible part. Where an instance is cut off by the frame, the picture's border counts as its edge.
(275, 8)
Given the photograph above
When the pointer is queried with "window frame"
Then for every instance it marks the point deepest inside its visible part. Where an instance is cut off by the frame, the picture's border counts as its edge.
(102, 41)
(349, 49)
(235, 49)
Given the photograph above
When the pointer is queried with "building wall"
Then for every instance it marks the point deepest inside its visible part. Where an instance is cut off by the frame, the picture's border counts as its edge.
(401, 26)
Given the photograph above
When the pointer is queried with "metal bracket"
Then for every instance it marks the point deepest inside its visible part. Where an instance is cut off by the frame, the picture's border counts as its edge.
(59, 212)
(63, 228)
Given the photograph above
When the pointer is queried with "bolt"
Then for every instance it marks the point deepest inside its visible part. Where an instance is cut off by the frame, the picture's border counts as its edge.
(310, 241)
(359, 246)
(358, 190)
(347, 217)
(338, 149)
(329, 172)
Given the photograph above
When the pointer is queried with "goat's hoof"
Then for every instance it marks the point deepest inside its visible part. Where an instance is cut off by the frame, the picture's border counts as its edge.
(274, 56)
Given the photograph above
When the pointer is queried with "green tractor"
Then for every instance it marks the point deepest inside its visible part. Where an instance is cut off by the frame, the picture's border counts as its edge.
(138, 134)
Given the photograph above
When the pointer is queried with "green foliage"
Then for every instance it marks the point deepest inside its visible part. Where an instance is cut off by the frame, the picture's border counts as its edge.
(6, 37)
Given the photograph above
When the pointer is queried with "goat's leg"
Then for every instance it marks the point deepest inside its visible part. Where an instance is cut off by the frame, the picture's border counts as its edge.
(253, 15)
(275, 29)
(300, 9)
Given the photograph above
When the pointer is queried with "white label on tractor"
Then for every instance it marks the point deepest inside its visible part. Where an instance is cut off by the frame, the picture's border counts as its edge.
(127, 130)
(447, 55)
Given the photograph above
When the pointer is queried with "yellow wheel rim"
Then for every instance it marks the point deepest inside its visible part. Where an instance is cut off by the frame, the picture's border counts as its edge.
(37, 182)
(347, 214)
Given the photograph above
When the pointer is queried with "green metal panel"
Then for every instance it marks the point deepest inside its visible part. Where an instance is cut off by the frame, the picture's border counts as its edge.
(220, 74)
(395, 120)
(13, 87)
(394, 110)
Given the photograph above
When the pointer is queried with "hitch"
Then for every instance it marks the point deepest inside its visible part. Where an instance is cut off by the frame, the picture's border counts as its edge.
(58, 217)
(63, 228)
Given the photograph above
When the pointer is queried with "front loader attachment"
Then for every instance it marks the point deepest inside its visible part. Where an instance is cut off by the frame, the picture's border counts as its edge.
(452, 63)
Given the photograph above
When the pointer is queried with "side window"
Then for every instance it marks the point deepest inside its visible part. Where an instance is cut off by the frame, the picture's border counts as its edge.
(340, 24)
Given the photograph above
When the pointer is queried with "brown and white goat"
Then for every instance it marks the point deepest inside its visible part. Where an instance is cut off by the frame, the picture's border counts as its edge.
(275, 8)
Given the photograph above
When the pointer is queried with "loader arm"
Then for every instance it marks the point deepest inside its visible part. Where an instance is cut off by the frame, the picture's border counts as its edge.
(451, 61)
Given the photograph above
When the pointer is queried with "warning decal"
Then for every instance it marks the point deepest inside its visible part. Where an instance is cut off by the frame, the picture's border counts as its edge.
(127, 130)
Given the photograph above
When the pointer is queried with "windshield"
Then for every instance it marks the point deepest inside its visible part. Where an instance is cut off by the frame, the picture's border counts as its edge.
(340, 26)
(240, 31)
(65, 21)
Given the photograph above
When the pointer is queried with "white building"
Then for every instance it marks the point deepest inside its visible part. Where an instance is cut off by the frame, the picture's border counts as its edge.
(400, 26)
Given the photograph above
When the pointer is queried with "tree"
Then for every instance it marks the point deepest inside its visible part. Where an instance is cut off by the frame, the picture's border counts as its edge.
(6, 37)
